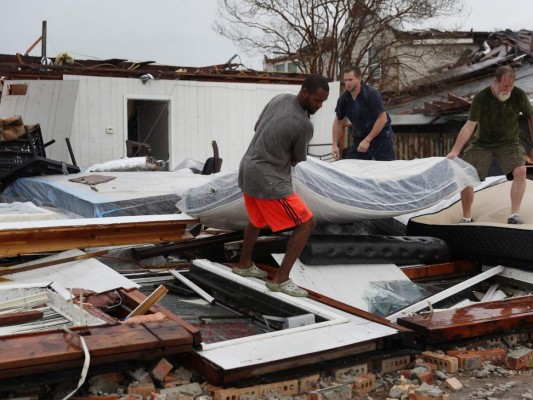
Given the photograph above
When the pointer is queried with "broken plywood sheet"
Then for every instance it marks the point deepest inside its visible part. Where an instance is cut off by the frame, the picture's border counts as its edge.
(343, 282)
(88, 274)
(338, 333)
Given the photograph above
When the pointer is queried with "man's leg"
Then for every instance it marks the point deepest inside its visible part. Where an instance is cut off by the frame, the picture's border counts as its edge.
(467, 198)
(518, 188)
(295, 245)
(250, 237)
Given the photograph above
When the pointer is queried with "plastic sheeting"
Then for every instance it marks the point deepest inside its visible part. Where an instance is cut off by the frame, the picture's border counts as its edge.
(130, 193)
(341, 192)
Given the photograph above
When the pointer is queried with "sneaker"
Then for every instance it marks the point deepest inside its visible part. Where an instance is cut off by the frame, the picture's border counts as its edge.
(515, 220)
(287, 287)
(253, 272)
(466, 221)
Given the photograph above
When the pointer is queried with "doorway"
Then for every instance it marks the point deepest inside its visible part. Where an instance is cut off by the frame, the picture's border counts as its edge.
(148, 128)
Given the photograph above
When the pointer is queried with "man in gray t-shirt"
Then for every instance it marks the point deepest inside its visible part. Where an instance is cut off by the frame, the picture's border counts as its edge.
(282, 134)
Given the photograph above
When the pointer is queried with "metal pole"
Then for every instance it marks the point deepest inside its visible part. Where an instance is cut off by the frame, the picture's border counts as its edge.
(43, 41)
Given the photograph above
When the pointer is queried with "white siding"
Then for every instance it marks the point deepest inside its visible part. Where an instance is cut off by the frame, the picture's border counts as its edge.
(199, 113)
(48, 103)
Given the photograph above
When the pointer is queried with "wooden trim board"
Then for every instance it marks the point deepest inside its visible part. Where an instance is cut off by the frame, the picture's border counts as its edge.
(40, 236)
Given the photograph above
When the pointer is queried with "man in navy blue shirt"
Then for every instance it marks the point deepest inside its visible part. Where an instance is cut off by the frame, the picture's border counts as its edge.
(372, 132)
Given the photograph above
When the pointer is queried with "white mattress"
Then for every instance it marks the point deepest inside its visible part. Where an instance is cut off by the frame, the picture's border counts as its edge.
(341, 192)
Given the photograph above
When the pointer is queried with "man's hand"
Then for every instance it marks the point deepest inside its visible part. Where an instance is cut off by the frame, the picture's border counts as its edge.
(335, 153)
(452, 155)
(363, 146)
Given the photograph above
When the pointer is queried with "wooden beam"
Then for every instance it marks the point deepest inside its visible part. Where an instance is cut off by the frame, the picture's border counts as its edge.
(47, 351)
(154, 298)
(32, 237)
(453, 269)
(20, 317)
(132, 297)
(489, 318)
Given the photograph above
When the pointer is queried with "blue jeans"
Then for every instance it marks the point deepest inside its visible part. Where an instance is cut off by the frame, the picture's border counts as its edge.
(380, 149)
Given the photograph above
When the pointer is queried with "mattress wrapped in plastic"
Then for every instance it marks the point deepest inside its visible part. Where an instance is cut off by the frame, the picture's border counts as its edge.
(340, 192)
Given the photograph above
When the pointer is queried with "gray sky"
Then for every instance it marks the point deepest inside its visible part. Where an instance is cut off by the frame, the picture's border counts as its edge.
(177, 32)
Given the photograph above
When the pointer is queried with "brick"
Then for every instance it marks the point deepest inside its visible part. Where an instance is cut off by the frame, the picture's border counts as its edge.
(162, 369)
(364, 383)
(183, 392)
(394, 363)
(494, 356)
(468, 361)
(453, 384)
(252, 392)
(353, 370)
(425, 377)
(284, 388)
(520, 358)
(445, 362)
(142, 389)
(338, 392)
(308, 383)
(431, 367)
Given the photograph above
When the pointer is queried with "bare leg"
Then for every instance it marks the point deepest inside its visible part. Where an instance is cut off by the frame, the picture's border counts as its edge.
(250, 236)
(518, 188)
(467, 198)
(295, 245)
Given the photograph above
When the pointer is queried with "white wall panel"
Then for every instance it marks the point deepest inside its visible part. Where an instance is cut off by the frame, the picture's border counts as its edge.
(48, 103)
(200, 112)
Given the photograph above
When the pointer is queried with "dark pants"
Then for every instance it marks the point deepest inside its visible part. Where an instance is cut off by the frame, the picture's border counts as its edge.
(380, 149)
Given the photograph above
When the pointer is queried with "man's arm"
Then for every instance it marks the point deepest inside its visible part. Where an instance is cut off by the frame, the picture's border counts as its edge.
(464, 135)
(530, 123)
(336, 134)
(381, 121)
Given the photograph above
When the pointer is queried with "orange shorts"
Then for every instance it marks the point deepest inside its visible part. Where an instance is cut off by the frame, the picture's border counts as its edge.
(279, 214)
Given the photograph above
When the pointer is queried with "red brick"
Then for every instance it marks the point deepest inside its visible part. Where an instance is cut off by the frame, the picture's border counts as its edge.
(162, 369)
(521, 358)
(494, 356)
(142, 389)
(426, 377)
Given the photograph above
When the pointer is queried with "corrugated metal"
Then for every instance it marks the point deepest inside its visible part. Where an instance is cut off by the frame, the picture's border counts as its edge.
(199, 112)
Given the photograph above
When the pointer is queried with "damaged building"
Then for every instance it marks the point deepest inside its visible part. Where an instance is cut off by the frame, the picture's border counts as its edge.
(116, 279)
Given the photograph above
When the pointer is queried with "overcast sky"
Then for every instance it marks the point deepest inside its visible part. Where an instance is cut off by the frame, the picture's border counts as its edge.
(177, 32)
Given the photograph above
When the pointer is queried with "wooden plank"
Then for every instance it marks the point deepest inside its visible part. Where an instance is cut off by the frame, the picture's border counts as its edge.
(105, 343)
(472, 321)
(154, 298)
(91, 232)
(445, 293)
(131, 298)
(20, 317)
(446, 270)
